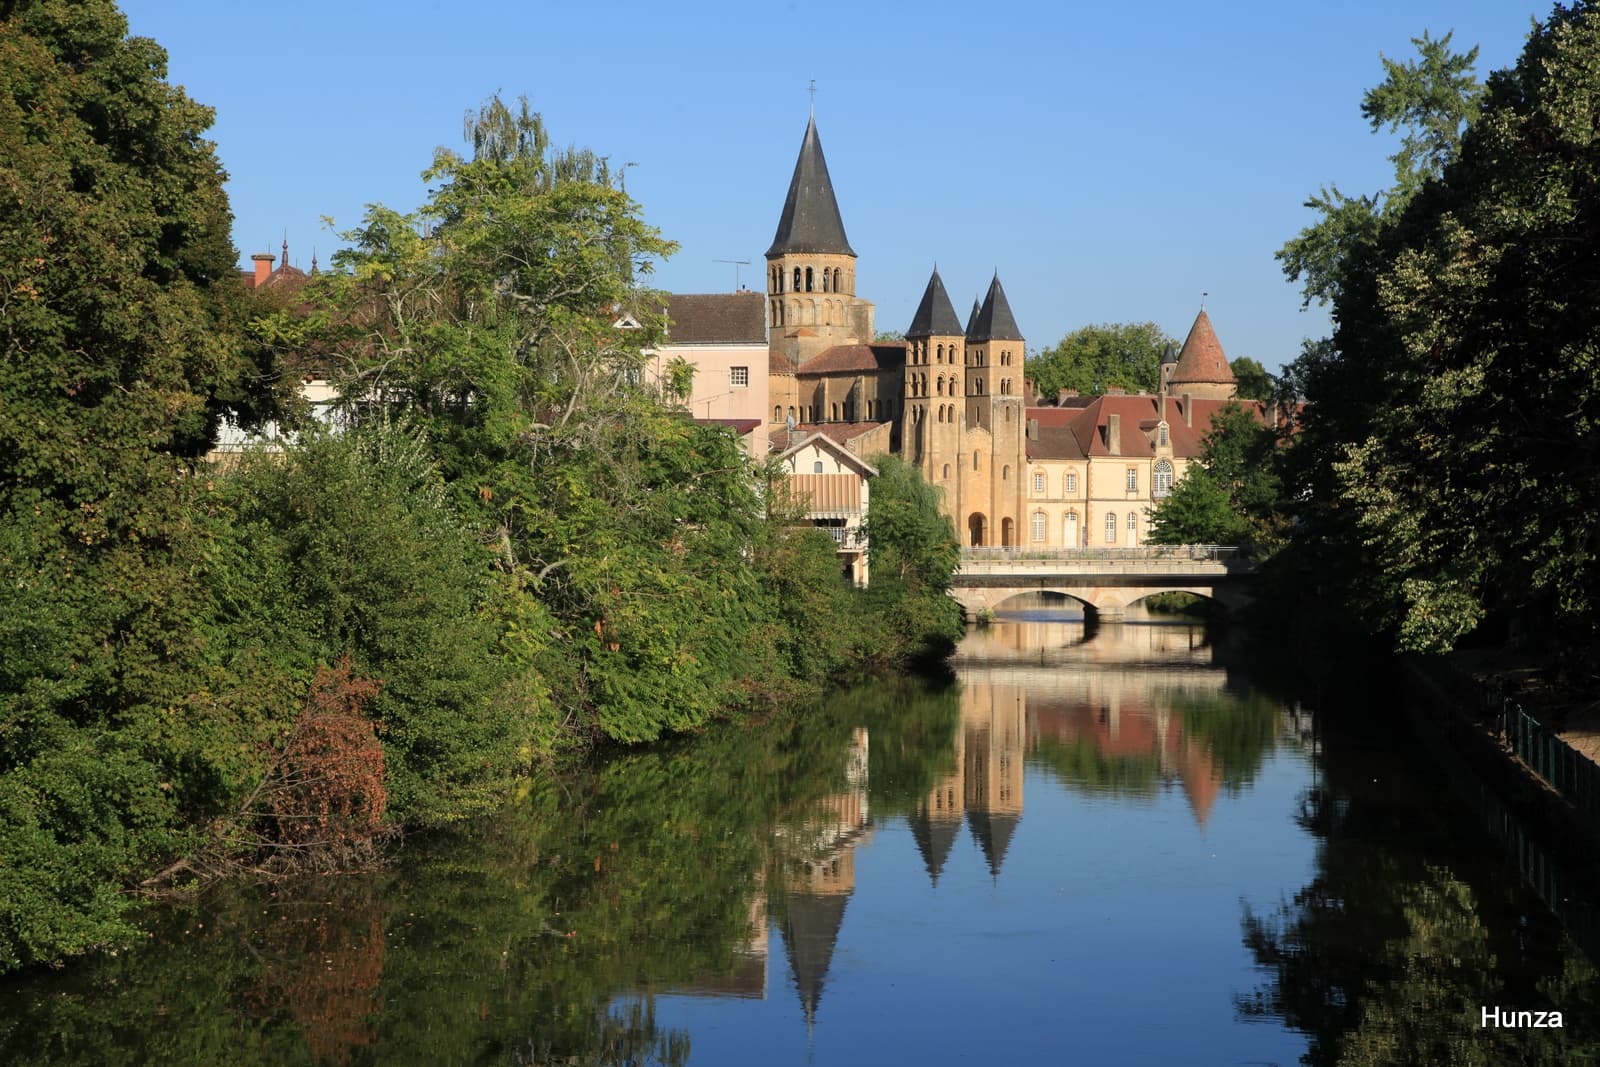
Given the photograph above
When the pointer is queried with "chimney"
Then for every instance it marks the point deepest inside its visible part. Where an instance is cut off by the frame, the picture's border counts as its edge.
(1188, 410)
(263, 262)
(1062, 394)
(1114, 434)
(1116, 390)
(1033, 429)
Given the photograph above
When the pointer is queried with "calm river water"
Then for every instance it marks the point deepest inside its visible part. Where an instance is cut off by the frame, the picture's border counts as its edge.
(1099, 846)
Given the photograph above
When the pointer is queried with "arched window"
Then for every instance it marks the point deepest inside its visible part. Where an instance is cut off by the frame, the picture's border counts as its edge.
(1163, 477)
(837, 273)
(1163, 439)
(797, 279)
(816, 468)
(939, 354)
(825, 280)
(947, 472)
(1069, 530)
(1038, 481)
(1111, 527)
(1036, 530)
(1133, 523)
(835, 412)
(1005, 473)
(808, 279)
(974, 460)
(777, 413)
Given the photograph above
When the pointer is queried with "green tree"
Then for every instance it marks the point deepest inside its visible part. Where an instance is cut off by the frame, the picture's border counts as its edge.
(1235, 498)
(914, 556)
(1430, 101)
(1253, 381)
(1451, 449)
(1196, 512)
(1096, 358)
(119, 352)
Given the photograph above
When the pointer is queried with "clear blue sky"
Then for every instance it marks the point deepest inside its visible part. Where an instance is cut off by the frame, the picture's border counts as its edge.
(1112, 161)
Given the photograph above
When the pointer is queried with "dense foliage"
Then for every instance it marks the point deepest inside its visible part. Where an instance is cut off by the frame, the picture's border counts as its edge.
(1096, 358)
(1447, 464)
(515, 546)
(1231, 494)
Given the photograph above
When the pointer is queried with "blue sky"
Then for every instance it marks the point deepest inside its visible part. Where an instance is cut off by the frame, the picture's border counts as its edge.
(1112, 161)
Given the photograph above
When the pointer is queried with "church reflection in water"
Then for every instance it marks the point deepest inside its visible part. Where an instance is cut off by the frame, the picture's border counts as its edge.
(1125, 709)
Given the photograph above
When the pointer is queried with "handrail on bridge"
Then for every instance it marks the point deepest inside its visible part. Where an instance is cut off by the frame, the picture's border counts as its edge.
(1019, 553)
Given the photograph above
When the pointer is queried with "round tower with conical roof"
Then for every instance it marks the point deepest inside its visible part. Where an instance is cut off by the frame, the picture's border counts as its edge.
(811, 268)
(1202, 371)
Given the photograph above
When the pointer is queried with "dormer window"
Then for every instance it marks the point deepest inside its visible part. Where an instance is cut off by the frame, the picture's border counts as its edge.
(1163, 436)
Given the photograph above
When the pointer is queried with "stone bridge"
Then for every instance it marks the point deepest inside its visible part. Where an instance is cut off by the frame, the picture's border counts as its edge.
(1105, 580)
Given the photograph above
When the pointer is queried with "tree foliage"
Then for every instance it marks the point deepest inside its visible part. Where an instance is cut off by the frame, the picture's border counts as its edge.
(1232, 494)
(1095, 358)
(1251, 379)
(1447, 465)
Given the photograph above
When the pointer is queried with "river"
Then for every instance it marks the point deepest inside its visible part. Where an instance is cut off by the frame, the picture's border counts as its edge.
(1099, 845)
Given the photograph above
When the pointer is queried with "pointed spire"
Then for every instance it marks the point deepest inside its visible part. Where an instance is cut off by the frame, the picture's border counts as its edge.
(810, 933)
(935, 834)
(972, 319)
(1201, 359)
(993, 832)
(810, 221)
(936, 316)
(995, 321)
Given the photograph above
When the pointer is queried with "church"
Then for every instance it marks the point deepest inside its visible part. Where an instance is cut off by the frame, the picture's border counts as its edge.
(952, 398)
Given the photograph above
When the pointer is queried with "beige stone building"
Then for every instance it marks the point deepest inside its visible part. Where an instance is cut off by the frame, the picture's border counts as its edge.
(951, 398)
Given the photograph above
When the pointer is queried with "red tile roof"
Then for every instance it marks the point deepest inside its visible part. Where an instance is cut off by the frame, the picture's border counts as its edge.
(1074, 433)
(1201, 359)
(854, 359)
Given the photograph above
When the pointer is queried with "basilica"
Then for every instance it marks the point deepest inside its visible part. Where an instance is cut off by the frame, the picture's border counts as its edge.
(952, 398)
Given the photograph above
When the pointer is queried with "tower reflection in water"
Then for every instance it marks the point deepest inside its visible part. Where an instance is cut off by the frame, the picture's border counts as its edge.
(1126, 709)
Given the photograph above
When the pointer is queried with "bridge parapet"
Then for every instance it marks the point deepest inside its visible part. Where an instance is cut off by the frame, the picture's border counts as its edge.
(1105, 579)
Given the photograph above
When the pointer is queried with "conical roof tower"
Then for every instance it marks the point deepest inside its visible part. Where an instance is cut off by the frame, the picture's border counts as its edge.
(1202, 368)
(936, 316)
(810, 222)
(994, 321)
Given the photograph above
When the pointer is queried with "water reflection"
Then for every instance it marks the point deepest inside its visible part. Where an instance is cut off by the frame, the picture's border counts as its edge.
(1102, 845)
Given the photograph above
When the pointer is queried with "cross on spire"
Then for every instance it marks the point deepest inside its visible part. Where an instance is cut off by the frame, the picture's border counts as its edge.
(813, 91)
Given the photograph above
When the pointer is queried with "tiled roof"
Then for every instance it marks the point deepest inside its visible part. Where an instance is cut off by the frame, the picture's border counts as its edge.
(936, 316)
(1201, 359)
(810, 221)
(738, 426)
(716, 318)
(858, 358)
(995, 321)
(841, 432)
(779, 365)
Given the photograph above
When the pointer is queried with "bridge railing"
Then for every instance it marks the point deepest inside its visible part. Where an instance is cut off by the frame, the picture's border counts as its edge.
(1022, 553)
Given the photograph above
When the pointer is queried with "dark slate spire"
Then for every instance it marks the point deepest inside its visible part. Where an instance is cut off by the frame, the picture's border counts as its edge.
(810, 933)
(810, 221)
(993, 832)
(972, 319)
(935, 834)
(995, 321)
(936, 316)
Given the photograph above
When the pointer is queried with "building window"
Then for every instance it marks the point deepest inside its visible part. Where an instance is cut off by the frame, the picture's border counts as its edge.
(1133, 479)
(1133, 523)
(739, 377)
(808, 279)
(816, 468)
(1005, 473)
(1111, 527)
(974, 460)
(1163, 478)
(1163, 439)
(797, 279)
(835, 412)
(777, 413)
(947, 472)
(1038, 480)
(1072, 484)
(1038, 526)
